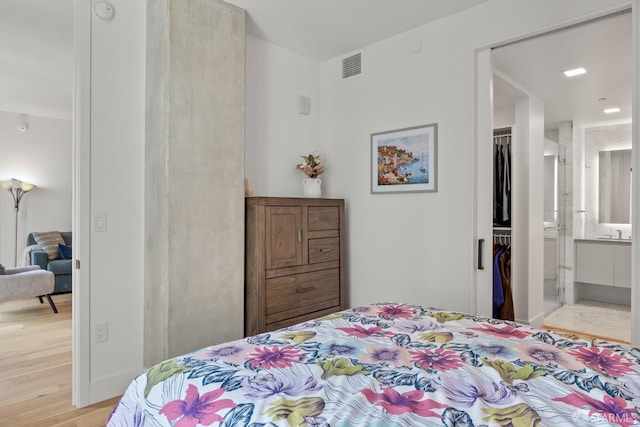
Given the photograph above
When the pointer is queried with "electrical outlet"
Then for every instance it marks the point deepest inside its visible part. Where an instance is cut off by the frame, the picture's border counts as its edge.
(101, 333)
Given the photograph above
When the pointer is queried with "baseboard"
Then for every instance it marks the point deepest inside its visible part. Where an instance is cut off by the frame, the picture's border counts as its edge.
(112, 386)
(606, 294)
(536, 321)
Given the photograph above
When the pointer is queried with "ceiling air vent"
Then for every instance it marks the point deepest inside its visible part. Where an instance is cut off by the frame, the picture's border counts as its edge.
(352, 66)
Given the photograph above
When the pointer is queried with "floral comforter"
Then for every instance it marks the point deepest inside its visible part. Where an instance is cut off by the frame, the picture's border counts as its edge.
(392, 365)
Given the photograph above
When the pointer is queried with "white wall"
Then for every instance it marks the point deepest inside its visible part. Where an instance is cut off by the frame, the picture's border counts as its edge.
(527, 212)
(504, 117)
(412, 247)
(41, 156)
(275, 134)
(115, 258)
(419, 247)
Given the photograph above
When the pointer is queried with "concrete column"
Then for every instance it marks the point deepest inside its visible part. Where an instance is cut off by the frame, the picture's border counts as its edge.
(194, 202)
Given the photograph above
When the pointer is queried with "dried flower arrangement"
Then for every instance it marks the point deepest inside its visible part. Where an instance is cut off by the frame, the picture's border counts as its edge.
(311, 166)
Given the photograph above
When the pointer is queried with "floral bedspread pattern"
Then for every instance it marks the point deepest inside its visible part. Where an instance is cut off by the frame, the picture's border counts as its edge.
(392, 365)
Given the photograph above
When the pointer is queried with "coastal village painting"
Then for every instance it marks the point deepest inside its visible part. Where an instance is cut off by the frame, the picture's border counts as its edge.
(404, 159)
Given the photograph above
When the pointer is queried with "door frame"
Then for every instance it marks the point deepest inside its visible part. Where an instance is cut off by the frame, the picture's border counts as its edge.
(635, 162)
(81, 192)
(483, 119)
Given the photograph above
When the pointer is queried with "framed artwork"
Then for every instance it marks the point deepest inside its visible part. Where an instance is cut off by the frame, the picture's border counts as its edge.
(405, 160)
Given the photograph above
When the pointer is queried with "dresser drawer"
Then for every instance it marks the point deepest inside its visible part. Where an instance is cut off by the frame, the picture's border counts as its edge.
(323, 250)
(299, 319)
(294, 295)
(324, 218)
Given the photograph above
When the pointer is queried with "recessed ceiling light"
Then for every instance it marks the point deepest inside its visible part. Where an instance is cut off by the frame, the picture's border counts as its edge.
(611, 110)
(575, 72)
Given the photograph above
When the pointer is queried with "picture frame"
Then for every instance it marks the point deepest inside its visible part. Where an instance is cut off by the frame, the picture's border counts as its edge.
(405, 160)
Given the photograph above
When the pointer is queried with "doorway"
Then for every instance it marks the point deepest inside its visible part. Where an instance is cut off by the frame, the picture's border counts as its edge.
(37, 86)
(567, 219)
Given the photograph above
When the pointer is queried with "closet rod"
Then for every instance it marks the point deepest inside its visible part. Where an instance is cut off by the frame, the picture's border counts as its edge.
(503, 239)
(500, 140)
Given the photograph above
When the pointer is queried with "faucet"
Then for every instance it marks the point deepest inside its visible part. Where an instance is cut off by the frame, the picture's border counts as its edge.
(619, 234)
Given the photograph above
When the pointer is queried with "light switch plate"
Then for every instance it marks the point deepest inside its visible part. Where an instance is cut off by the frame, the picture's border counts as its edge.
(304, 105)
(100, 223)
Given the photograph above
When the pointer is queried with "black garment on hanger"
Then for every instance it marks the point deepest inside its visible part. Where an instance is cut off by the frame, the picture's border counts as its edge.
(502, 180)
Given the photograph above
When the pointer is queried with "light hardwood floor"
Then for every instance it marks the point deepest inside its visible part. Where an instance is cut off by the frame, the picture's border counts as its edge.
(35, 367)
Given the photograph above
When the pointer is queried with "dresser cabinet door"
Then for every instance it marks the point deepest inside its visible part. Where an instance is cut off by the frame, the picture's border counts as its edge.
(283, 237)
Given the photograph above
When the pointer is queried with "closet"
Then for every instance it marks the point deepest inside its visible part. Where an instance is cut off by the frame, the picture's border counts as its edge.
(502, 295)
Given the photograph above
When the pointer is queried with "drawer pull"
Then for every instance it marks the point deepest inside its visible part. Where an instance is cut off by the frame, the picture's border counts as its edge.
(299, 235)
(305, 290)
(325, 250)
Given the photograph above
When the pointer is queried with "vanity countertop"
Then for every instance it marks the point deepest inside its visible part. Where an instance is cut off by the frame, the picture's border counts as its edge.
(604, 240)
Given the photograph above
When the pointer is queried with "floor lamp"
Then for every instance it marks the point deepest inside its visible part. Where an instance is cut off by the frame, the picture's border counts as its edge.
(17, 189)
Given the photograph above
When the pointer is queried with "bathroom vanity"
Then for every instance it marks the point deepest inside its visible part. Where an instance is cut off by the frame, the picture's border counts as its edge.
(604, 262)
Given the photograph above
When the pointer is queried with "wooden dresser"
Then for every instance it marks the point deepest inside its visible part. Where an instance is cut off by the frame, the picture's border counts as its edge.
(294, 261)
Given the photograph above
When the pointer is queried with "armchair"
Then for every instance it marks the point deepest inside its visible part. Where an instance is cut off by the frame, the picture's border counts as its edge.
(26, 282)
(61, 268)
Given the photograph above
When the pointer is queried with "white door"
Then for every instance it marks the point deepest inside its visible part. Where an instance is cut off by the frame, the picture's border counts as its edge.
(484, 184)
(554, 226)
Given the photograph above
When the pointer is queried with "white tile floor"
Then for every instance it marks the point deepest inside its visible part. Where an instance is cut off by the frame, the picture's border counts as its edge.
(600, 319)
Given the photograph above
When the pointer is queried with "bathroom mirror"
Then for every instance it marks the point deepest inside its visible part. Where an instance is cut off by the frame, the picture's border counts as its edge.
(614, 186)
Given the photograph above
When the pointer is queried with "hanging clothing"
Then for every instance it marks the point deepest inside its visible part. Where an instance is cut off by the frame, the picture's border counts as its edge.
(502, 180)
(506, 183)
(502, 293)
(503, 307)
(498, 293)
(506, 311)
(497, 183)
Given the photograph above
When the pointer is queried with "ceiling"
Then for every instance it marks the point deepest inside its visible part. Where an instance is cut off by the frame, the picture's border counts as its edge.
(36, 52)
(324, 29)
(36, 57)
(603, 48)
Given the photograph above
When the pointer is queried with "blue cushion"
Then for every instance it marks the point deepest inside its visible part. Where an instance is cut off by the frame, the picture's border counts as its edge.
(60, 266)
(64, 251)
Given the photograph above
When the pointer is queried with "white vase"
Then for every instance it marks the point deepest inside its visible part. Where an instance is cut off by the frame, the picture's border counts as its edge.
(311, 187)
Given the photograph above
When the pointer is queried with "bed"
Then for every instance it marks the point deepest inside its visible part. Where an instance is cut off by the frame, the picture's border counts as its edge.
(392, 364)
